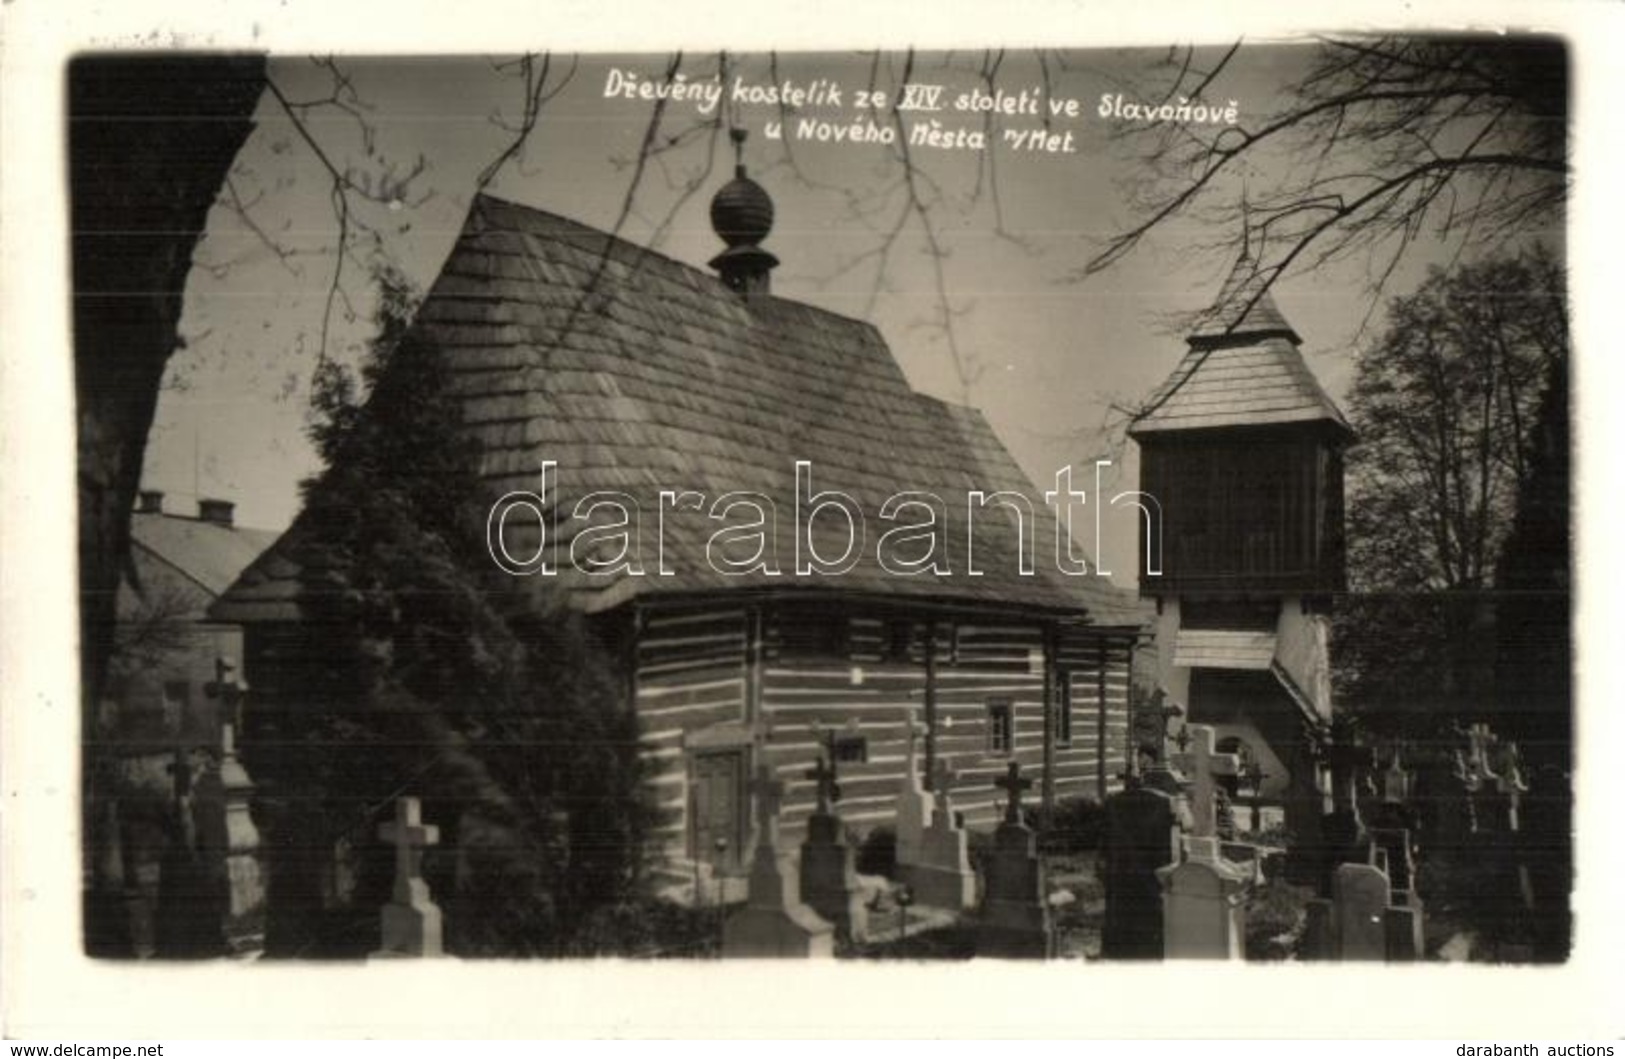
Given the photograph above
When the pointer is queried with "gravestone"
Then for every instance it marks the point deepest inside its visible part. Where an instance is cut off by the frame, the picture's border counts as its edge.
(1343, 833)
(231, 847)
(1319, 929)
(410, 923)
(774, 922)
(1360, 900)
(942, 876)
(913, 804)
(1396, 783)
(1015, 920)
(829, 877)
(1204, 904)
(1141, 836)
(1204, 769)
(189, 911)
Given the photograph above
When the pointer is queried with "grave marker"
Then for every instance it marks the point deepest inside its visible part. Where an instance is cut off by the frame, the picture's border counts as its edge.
(1204, 911)
(1015, 921)
(410, 924)
(829, 877)
(1141, 836)
(942, 876)
(774, 921)
(231, 847)
(913, 803)
(1360, 896)
(1203, 768)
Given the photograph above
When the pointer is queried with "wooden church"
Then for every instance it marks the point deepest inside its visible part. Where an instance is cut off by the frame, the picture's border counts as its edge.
(640, 375)
(1242, 449)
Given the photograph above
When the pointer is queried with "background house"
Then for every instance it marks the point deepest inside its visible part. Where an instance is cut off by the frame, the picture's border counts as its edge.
(172, 685)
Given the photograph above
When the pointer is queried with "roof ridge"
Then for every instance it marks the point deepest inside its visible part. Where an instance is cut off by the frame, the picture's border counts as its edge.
(645, 251)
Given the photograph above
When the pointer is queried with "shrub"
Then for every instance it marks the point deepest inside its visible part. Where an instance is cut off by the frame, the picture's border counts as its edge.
(1075, 826)
(877, 852)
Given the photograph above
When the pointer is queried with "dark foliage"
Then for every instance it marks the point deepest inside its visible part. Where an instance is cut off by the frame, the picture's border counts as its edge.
(1075, 827)
(426, 676)
(877, 852)
(1458, 513)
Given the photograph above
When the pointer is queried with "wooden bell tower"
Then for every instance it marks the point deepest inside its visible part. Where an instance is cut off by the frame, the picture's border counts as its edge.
(1243, 451)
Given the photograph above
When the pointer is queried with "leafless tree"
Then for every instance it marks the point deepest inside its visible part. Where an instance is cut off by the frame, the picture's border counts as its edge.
(1381, 141)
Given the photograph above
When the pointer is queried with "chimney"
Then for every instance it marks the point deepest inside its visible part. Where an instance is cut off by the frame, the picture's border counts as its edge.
(149, 502)
(216, 511)
(742, 214)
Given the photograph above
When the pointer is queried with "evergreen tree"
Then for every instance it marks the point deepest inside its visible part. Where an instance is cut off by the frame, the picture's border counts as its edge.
(426, 676)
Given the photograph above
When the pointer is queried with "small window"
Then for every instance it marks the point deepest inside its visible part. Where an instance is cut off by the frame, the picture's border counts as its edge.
(1063, 711)
(1000, 727)
(851, 749)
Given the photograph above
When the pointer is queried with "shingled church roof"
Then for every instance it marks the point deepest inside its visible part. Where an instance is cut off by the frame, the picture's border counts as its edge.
(638, 373)
(1243, 367)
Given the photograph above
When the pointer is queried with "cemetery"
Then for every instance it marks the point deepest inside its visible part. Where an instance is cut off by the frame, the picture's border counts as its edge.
(1028, 769)
(1165, 869)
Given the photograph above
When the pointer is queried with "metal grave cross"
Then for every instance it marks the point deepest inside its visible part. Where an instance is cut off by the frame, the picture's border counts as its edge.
(769, 792)
(824, 774)
(1013, 784)
(410, 836)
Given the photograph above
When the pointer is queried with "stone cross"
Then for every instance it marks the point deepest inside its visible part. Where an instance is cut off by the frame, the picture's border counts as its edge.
(1203, 766)
(410, 836)
(1013, 784)
(769, 792)
(824, 774)
(410, 924)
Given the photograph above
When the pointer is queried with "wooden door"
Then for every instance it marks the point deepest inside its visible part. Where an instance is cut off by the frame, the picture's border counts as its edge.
(717, 809)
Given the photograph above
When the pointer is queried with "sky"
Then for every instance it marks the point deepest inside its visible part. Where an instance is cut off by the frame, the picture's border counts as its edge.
(1040, 351)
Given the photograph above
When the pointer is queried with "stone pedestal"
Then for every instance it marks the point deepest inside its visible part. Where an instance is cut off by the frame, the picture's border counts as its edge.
(774, 922)
(829, 878)
(940, 873)
(1141, 837)
(231, 848)
(1015, 920)
(1204, 911)
(943, 878)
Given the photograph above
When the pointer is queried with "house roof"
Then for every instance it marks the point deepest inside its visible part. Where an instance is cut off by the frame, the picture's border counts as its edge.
(1243, 368)
(210, 554)
(637, 373)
